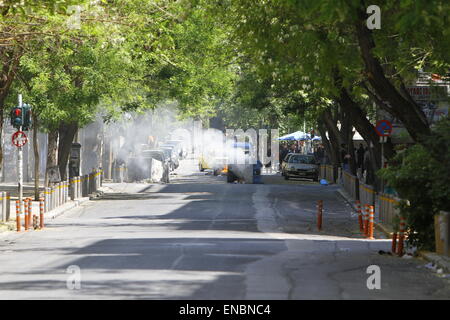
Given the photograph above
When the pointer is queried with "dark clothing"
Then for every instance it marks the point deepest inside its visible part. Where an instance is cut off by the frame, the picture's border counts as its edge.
(343, 157)
(283, 154)
(360, 157)
(370, 178)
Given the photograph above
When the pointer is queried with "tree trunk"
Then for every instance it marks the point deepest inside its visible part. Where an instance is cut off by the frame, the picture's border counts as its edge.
(346, 134)
(333, 133)
(52, 153)
(351, 151)
(325, 141)
(66, 135)
(363, 125)
(36, 157)
(405, 110)
(1, 144)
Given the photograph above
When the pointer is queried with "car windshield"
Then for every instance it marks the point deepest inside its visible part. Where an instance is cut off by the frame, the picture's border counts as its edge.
(302, 159)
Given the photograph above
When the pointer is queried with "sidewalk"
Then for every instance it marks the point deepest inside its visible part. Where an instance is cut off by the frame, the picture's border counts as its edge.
(52, 214)
(437, 260)
(28, 188)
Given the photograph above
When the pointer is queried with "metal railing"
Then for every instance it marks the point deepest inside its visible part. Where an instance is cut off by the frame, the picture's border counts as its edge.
(350, 184)
(77, 187)
(59, 193)
(5, 204)
(387, 208)
(367, 194)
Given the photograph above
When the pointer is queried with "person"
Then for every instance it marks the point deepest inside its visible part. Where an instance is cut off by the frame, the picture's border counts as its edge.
(360, 157)
(345, 157)
(293, 148)
(283, 153)
(320, 154)
(369, 175)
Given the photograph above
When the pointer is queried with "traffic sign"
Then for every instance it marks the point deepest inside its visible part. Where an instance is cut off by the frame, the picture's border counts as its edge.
(383, 128)
(19, 139)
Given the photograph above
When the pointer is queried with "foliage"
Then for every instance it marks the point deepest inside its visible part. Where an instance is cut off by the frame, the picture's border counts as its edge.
(421, 175)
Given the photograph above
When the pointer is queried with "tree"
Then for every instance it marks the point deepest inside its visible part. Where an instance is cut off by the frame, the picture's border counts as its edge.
(421, 175)
(97, 64)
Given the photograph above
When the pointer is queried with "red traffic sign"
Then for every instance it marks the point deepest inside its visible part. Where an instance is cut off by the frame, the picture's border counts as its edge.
(383, 128)
(19, 139)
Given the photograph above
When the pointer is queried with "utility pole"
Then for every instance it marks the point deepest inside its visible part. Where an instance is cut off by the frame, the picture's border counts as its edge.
(21, 120)
(20, 167)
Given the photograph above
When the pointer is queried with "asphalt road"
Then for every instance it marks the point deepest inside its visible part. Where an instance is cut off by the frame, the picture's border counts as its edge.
(201, 238)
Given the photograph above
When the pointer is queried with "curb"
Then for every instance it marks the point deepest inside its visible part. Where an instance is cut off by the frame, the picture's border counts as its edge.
(11, 225)
(441, 261)
(65, 207)
(380, 227)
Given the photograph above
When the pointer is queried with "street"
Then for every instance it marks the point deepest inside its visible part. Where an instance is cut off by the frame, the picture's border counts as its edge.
(201, 238)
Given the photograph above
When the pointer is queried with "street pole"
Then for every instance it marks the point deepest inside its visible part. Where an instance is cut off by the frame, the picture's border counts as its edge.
(382, 162)
(20, 168)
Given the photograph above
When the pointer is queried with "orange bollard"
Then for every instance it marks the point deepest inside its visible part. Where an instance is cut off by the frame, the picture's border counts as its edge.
(18, 224)
(30, 212)
(41, 213)
(360, 218)
(371, 221)
(401, 236)
(394, 242)
(366, 219)
(319, 214)
(25, 208)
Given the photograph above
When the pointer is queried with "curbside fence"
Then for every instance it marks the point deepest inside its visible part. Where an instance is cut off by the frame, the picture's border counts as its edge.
(351, 185)
(367, 194)
(77, 187)
(387, 208)
(5, 203)
(59, 193)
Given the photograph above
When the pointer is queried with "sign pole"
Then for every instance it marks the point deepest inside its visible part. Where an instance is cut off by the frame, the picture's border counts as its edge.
(384, 129)
(20, 168)
(382, 161)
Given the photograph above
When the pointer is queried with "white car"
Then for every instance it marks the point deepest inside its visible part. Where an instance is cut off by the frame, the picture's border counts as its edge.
(300, 166)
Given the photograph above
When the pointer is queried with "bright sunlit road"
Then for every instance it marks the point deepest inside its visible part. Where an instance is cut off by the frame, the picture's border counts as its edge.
(201, 238)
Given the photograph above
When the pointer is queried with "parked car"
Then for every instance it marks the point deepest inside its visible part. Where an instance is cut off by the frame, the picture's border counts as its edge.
(179, 148)
(300, 166)
(159, 155)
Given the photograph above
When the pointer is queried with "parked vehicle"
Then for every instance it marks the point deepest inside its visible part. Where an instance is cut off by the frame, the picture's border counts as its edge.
(300, 166)
(180, 149)
(241, 165)
(159, 155)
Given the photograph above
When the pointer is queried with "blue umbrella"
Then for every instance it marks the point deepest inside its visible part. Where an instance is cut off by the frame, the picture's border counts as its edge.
(298, 135)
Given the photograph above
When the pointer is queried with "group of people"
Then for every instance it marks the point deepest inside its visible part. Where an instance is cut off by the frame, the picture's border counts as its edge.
(298, 147)
(362, 160)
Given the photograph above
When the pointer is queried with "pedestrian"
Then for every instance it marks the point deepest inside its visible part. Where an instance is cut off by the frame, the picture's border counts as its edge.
(320, 154)
(345, 158)
(283, 153)
(360, 156)
(369, 174)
